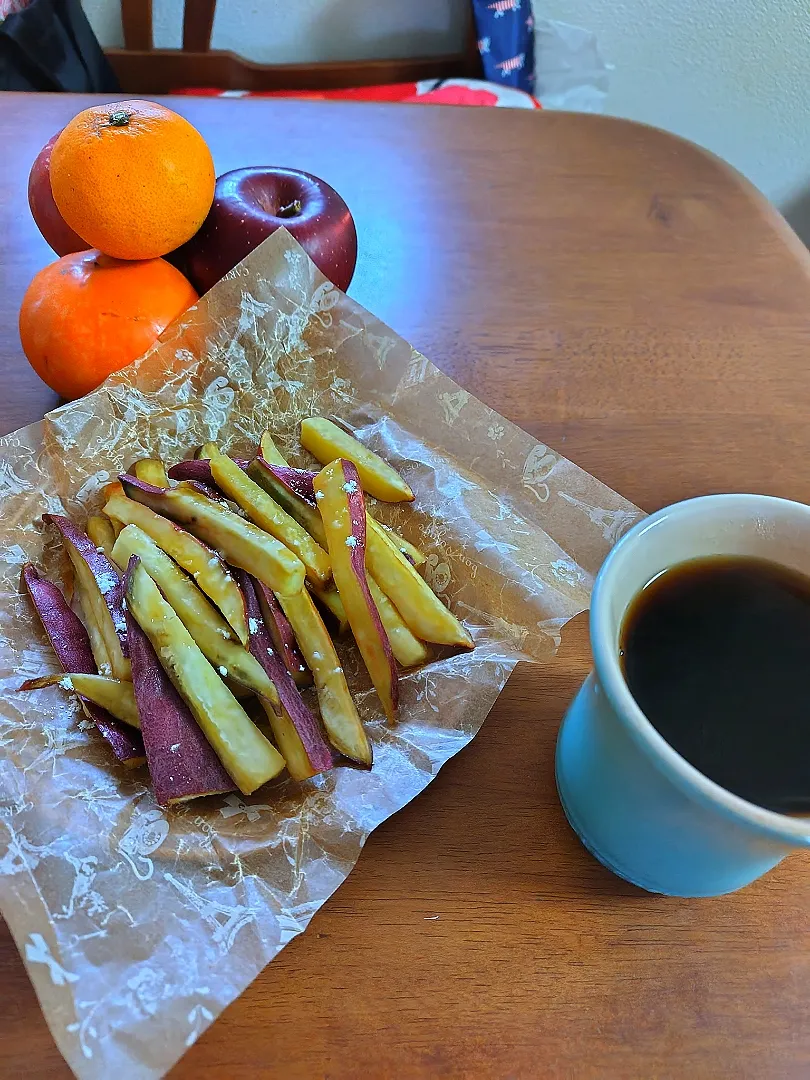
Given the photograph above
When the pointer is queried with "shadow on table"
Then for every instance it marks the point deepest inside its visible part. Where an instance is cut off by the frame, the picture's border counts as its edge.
(797, 214)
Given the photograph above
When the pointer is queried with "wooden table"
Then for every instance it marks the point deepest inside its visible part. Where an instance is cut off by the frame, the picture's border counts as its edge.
(628, 299)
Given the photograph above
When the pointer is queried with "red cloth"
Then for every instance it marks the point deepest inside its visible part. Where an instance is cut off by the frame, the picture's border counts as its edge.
(426, 92)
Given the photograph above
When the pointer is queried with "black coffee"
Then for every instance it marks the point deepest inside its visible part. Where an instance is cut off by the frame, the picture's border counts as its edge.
(716, 652)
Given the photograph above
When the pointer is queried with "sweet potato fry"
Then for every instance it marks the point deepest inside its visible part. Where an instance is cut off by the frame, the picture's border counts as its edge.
(243, 544)
(249, 759)
(97, 643)
(265, 512)
(282, 484)
(204, 565)
(239, 690)
(409, 550)
(292, 489)
(270, 452)
(100, 592)
(151, 471)
(107, 492)
(287, 739)
(423, 612)
(343, 513)
(408, 650)
(327, 442)
(338, 711)
(295, 729)
(202, 620)
(199, 469)
(114, 695)
(330, 598)
(71, 644)
(117, 697)
(283, 635)
(101, 532)
(182, 763)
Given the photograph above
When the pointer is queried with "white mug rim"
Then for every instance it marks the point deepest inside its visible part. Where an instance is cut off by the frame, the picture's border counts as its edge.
(687, 777)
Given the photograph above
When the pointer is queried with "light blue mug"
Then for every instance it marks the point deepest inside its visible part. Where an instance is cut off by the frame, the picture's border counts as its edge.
(635, 803)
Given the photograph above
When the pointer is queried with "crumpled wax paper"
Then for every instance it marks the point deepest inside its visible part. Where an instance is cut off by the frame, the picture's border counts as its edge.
(139, 925)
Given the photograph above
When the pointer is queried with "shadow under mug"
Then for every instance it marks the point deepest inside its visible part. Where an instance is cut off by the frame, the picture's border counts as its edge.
(636, 804)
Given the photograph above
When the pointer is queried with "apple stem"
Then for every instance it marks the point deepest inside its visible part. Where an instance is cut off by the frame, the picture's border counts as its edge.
(291, 209)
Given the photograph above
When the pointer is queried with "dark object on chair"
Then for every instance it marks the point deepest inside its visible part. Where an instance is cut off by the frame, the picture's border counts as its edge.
(143, 69)
(49, 45)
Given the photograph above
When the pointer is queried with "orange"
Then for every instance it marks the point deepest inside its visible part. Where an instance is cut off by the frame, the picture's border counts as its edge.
(133, 179)
(87, 315)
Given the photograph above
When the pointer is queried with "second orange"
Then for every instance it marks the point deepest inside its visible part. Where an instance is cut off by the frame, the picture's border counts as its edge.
(133, 179)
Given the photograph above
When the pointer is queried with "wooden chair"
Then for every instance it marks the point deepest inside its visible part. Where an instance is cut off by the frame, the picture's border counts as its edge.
(142, 69)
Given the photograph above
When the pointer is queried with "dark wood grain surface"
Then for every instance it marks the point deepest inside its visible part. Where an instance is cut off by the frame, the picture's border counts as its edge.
(631, 301)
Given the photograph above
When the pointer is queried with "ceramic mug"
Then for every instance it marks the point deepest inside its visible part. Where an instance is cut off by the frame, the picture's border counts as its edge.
(635, 803)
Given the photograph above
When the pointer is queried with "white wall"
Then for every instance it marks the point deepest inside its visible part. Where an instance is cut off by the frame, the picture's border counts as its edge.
(733, 75)
(306, 31)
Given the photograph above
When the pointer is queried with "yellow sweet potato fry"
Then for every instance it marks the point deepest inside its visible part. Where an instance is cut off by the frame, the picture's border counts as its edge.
(400, 543)
(338, 711)
(151, 471)
(408, 650)
(247, 756)
(289, 743)
(423, 612)
(343, 513)
(327, 442)
(99, 589)
(207, 569)
(202, 620)
(101, 532)
(330, 598)
(97, 643)
(242, 543)
(268, 515)
(270, 452)
(108, 491)
(114, 695)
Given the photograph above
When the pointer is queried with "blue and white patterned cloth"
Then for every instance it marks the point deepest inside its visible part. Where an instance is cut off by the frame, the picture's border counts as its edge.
(506, 41)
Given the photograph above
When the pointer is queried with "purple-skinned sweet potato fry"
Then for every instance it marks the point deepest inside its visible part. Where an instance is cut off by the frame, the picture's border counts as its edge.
(283, 636)
(343, 511)
(199, 469)
(71, 644)
(182, 763)
(309, 736)
(249, 759)
(100, 589)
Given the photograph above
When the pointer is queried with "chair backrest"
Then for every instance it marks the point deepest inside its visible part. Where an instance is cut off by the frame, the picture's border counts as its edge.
(143, 69)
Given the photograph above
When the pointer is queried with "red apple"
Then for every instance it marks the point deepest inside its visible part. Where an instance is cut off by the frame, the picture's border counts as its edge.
(250, 204)
(50, 222)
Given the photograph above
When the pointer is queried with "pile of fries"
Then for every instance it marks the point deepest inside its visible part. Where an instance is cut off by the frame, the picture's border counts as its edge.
(208, 585)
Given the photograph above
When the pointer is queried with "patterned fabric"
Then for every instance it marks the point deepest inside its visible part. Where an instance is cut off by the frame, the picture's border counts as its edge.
(506, 41)
(425, 92)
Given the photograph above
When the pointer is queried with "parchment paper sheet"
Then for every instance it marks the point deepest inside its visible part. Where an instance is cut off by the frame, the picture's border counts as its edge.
(137, 925)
